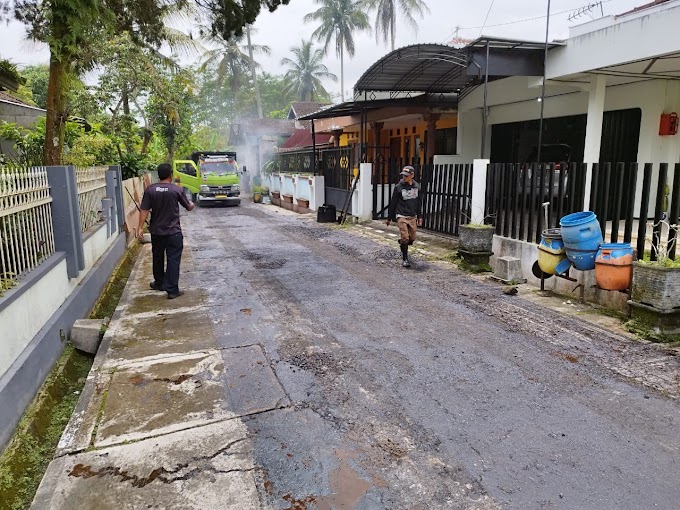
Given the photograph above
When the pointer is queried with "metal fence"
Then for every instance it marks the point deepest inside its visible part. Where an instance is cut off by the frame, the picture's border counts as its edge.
(91, 191)
(446, 192)
(516, 195)
(298, 162)
(26, 235)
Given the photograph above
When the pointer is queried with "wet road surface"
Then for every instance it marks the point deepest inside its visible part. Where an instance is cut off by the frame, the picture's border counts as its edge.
(424, 388)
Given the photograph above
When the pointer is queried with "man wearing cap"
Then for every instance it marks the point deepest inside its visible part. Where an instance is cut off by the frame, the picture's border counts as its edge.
(405, 210)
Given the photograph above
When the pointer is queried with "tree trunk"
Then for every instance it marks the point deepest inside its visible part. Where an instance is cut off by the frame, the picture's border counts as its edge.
(342, 72)
(393, 25)
(146, 140)
(56, 113)
(253, 72)
(126, 101)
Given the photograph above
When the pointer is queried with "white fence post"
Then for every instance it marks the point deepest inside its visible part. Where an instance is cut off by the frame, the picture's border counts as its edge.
(318, 192)
(479, 169)
(364, 194)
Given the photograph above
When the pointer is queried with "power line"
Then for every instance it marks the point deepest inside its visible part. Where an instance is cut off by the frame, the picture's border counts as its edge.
(487, 17)
(524, 20)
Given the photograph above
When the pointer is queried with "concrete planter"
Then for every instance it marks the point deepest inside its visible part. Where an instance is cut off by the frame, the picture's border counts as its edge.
(656, 286)
(476, 239)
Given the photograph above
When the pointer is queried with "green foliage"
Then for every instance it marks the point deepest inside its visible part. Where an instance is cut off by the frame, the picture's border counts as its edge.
(11, 71)
(133, 164)
(36, 80)
(305, 72)
(27, 144)
(386, 16)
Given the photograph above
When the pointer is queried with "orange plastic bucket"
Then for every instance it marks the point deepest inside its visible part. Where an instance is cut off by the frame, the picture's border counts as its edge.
(614, 266)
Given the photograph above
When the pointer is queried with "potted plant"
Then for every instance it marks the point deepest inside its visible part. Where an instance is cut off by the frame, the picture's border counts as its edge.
(655, 292)
(258, 193)
(476, 237)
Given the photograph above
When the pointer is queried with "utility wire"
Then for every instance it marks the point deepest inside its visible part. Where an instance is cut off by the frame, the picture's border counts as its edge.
(524, 20)
(487, 17)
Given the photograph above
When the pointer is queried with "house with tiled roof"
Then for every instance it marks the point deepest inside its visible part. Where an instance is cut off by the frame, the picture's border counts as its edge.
(15, 110)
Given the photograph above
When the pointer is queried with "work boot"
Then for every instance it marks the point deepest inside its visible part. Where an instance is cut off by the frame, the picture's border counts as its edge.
(156, 286)
(404, 255)
(176, 295)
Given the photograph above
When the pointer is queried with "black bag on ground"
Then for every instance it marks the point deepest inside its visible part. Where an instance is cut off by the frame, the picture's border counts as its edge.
(326, 214)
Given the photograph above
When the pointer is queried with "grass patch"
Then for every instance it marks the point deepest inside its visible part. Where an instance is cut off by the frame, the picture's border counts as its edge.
(463, 265)
(24, 461)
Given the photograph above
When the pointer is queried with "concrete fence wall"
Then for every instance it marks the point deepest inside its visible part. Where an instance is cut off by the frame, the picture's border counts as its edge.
(38, 312)
(303, 188)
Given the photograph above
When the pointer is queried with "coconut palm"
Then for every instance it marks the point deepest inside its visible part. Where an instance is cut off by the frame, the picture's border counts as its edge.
(305, 71)
(231, 59)
(339, 20)
(386, 15)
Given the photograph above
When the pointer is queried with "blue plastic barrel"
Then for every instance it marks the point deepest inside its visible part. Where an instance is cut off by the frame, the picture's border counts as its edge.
(582, 238)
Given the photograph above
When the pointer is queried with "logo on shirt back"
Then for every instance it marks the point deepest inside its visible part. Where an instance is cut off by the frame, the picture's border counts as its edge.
(162, 190)
(409, 194)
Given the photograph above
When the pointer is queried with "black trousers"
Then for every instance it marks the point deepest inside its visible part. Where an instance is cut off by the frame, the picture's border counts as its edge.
(171, 247)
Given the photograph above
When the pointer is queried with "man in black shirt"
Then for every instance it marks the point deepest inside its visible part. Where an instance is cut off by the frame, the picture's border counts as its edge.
(163, 199)
(405, 208)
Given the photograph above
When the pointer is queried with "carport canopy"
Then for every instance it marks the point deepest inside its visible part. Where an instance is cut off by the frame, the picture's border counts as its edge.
(441, 69)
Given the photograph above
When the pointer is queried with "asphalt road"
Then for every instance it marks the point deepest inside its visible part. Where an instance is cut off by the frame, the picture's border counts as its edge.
(424, 388)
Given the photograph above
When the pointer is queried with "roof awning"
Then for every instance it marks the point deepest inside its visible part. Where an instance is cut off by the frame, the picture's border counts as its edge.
(349, 108)
(439, 68)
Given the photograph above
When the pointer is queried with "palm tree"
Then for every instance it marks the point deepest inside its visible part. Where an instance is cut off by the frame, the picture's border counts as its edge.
(386, 15)
(231, 59)
(305, 71)
(339, 20)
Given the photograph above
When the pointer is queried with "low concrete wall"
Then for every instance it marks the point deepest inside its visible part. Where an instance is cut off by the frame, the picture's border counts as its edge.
(528, 254)
(27, 307)
(37, 316)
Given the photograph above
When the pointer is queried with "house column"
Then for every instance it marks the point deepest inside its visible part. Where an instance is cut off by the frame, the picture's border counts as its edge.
(431, 120)
(591, 152)
(336, 137)
(377, 128)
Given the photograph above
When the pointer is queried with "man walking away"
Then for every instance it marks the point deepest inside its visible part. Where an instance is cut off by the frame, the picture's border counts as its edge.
(405, 210)
(163, 199)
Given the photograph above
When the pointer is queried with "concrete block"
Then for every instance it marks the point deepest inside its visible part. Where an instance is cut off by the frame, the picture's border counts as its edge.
(86, 335)
(509, 269)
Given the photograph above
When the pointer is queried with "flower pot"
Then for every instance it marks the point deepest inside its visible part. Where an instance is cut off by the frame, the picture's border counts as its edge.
(656, 286)
(288, 199)
(477, 238)
(276, 195)
(303, 203)
(257, 198)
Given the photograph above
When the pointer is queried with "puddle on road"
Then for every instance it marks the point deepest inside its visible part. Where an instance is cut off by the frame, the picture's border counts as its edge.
(346, 486)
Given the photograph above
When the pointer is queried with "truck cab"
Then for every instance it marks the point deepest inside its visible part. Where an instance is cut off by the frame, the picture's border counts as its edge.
(210, 177)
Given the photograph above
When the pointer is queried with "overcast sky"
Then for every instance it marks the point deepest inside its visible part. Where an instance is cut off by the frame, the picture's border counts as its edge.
(284, 28)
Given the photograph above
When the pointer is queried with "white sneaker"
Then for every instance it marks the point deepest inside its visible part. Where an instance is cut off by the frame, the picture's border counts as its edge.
(406, 263)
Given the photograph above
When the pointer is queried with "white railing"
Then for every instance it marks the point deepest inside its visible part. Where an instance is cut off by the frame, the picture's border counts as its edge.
(26, 235)
(91, 191)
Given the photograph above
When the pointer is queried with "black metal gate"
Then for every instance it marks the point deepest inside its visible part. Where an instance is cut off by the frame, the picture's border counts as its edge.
(337, 168)
(446, 189)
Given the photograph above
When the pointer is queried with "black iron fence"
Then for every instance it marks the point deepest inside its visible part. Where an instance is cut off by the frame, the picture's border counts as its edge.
(524, 199)
(337, 167)
(302, 161)
(446, 192)
(516, 194)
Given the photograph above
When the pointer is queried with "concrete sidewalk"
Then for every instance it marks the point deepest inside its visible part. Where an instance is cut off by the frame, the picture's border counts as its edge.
(157, 425)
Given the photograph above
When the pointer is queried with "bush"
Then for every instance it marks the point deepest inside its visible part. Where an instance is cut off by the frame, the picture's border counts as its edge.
(133, 164)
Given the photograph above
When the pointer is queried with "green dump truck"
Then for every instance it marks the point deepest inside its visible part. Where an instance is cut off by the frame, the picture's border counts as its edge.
(210, 177)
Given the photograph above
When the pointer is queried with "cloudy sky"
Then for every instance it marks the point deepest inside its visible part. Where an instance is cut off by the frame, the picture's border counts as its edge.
(519, 19)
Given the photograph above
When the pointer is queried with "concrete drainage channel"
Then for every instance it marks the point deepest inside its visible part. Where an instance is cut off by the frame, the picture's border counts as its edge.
(28, 454)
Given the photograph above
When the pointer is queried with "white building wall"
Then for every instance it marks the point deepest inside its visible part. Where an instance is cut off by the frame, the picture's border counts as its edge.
(514, 100)
(27, 315)
(614, 40)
